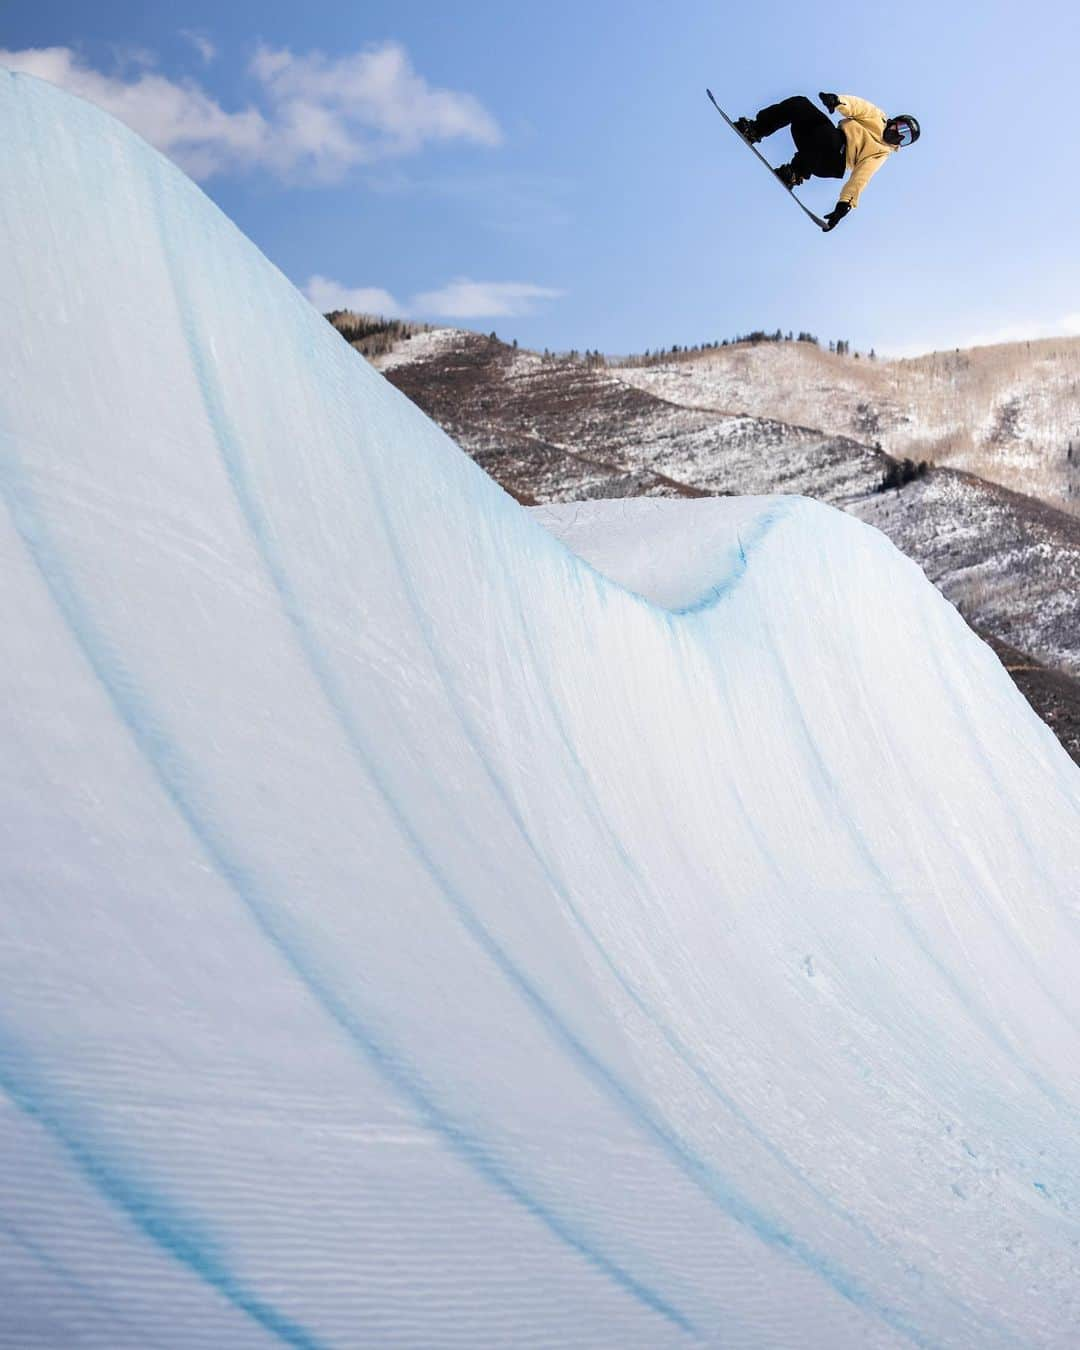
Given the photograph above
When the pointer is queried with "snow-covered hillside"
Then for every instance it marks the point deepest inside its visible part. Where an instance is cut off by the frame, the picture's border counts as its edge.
(559, 430)
(1009, 413)
(415, 931)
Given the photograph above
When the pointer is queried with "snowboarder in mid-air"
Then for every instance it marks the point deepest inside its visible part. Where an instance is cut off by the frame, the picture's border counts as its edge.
(860, 145)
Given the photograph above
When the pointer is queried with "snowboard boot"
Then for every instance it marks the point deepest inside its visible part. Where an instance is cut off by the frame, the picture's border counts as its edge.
(747, 129)
(787, 175)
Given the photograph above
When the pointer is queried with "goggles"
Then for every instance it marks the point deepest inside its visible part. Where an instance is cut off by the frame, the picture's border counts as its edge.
(905, 131)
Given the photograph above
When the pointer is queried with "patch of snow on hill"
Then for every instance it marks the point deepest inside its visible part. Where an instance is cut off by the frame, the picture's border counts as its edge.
(418, 347)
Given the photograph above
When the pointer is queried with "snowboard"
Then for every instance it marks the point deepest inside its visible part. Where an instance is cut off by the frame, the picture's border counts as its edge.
(772, 173)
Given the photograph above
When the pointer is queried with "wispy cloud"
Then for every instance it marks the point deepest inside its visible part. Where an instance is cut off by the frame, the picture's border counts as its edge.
(315, 119)
(1020, 330)
(461, 299)
(327, 295)
(466, 299)
(128, 56)
(1026, 331)
(203, 45)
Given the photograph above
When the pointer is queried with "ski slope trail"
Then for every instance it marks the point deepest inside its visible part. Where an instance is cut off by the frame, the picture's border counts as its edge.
(427, 923)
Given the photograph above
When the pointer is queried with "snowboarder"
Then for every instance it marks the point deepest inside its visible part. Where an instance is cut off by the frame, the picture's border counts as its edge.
(861, 144)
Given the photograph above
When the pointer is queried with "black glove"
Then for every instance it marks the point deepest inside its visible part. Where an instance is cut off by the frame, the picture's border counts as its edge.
(830, 101)
(836, 215)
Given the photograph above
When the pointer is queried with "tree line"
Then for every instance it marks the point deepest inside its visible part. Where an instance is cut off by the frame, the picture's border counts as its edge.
(373, 335)
(837, 346)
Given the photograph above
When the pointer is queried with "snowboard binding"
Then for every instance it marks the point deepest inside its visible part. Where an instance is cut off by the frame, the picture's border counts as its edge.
(787, 175)
(747, 129)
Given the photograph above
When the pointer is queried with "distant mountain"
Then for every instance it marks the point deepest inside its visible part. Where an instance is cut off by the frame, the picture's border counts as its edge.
(1009, 413)
(554, 428)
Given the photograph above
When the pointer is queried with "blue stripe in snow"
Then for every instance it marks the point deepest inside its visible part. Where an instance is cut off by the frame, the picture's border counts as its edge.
(176, 777)
(700, 1172)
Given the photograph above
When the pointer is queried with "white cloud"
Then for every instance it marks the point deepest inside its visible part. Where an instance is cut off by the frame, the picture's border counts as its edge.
(202, 44)
(461, 299)
(327, 295)
(1023, 330)
(371, 105)
(180, 119)
(465, 299)
(315, 118)
(389, 108)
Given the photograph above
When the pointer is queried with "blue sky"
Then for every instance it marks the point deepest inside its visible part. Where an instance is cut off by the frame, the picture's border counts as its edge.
(555, 172)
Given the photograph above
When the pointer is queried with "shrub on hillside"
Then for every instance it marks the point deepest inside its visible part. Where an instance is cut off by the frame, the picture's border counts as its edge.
(372, 335)
(899, 472)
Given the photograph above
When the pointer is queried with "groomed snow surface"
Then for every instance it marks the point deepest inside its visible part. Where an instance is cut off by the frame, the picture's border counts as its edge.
(412, 934)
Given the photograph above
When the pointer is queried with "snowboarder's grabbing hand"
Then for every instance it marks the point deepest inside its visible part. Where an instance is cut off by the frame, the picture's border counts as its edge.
(859, 146)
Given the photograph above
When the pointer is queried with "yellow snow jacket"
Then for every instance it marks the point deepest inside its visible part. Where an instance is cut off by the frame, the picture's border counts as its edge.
(863, 127)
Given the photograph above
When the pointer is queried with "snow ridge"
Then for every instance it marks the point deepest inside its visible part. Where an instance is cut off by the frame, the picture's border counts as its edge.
(634, 923)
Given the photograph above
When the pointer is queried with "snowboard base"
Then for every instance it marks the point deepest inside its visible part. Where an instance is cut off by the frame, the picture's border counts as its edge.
(772, 172)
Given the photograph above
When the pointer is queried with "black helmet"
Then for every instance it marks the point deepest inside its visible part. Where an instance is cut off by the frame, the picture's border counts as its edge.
(906, 127)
